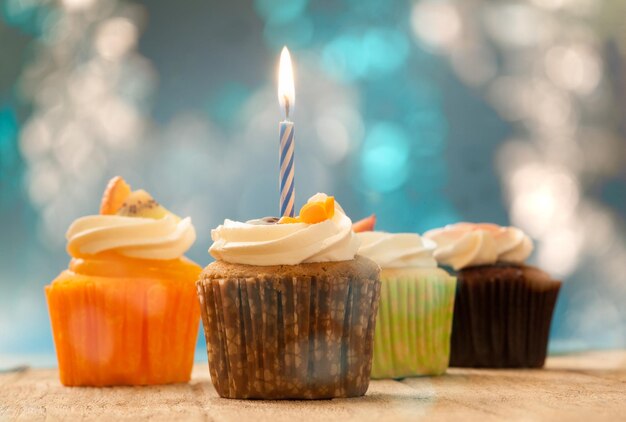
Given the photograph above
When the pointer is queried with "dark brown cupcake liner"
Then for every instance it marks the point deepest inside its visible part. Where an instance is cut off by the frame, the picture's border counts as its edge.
(300, 337)
(502, 317)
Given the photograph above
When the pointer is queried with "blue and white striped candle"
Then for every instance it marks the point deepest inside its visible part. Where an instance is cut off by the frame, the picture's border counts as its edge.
(287, 170)
(286, 98)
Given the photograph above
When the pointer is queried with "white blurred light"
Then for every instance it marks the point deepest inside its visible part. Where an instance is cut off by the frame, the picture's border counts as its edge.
(558, 253)
(56, 218)
(352, 120)
(542, 196)
(121, 123)
(115, 38)
(50, 92)
(513, 154)
(549, 4)
(508, 94)
(517, 25)
(475, 65)
(74, 149)
(188, 128)
(334, 138)
(550, 107)
(582, 7)
(576, 68)
(76, 5)
(436, 23)
(35, 139)
(599, 231)
(87, 86)
(44, 182)
(136, 79)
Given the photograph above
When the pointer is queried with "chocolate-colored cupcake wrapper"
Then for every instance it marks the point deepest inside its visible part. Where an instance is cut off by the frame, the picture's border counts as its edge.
(502, 322)
(289, 337)
(414, 324)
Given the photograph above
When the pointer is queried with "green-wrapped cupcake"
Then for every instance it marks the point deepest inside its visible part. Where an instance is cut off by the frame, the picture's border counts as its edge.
(414, 323)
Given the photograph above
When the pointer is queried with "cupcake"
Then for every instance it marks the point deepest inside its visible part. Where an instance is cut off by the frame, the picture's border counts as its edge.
(125, 311)
(288, 308)
(503, 307)
(416, 302)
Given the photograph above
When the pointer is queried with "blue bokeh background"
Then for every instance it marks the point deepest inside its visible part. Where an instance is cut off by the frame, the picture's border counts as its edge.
(423, 112)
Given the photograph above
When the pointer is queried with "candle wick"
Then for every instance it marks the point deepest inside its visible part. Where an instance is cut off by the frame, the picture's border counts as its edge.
(286, 106)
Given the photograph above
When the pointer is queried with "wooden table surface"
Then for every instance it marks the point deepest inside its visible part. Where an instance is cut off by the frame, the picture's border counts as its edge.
(590, 386)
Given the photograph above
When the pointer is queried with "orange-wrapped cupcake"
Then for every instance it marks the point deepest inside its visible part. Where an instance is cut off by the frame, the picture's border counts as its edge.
(125, 312)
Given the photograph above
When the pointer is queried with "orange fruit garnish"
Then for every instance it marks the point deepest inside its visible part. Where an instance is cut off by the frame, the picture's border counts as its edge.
(114, 196)
(365, 225)
(330, 207)
(313, 212)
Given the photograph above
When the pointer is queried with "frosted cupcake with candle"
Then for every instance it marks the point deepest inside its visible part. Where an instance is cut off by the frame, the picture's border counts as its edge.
(416, 302)
(503, 307)
(288, 308)
(125, 311)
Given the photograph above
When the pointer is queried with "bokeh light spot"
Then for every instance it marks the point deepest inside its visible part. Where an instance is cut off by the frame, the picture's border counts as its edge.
(575, 67)
(430, 129)
(295, 33)
(8, 127)
(30, 16)
(76, 5)
(430, 174)
(436, 23)
(116, 37)
(8, 131)
(280, 11)
(386, 50)
(376, 52)
(334, 138)
(435, 211)
(344, 59)
(225, 106)
(385, 157)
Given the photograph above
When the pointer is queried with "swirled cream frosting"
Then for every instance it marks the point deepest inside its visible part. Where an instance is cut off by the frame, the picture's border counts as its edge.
(397, 250)
(136, 237)
(464, 245)
(253, 243)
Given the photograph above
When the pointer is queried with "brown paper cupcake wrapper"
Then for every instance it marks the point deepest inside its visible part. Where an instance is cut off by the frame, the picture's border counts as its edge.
(502, 320)
(289, 337)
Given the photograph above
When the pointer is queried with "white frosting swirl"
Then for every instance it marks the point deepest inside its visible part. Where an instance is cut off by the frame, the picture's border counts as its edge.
(466, 244)
(136, 237)
(397, 250)
(286, 244)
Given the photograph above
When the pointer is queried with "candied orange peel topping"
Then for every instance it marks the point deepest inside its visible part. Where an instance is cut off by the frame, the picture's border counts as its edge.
(313, 212)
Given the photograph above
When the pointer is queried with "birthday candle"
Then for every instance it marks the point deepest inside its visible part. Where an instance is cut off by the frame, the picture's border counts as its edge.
(286, 98)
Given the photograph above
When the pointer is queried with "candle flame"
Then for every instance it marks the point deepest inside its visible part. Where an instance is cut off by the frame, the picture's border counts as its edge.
(286, 91)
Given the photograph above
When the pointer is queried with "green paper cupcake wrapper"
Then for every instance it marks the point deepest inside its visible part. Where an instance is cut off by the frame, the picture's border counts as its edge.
(414, 324)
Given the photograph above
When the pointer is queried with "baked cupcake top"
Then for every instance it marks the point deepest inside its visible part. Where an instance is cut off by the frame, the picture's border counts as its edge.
(465, 245)
(321, 233)
(397, 250)
(130, 223)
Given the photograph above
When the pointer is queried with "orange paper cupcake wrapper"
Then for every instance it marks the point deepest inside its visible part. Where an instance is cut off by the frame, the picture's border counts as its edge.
(123, 331)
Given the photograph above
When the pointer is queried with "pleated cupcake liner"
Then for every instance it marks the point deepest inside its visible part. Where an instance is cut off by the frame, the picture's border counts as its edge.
(123, 331)
(502, 322)
(414, 324)
(295, 337)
